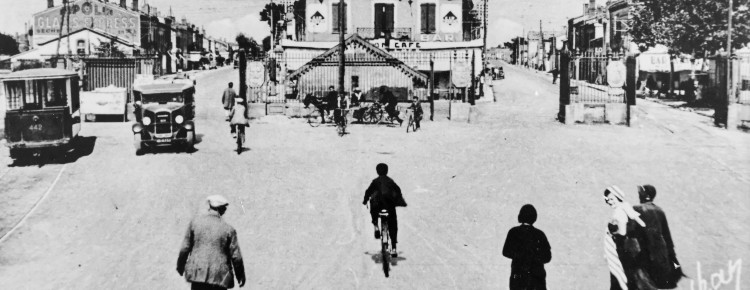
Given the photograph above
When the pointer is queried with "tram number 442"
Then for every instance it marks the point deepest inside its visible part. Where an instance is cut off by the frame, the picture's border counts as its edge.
(35, 127)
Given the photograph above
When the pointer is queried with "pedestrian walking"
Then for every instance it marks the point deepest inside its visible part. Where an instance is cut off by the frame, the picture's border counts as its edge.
(227, 99)
(657, 255)
(619, 249)
(555, 72)
(210, 251)
(529, 250)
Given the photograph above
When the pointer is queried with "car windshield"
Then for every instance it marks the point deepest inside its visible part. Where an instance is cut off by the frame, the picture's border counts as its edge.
(162, 98)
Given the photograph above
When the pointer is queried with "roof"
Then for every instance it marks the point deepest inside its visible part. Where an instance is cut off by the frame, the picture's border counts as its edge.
(40, 73)
(330, 57)
(166, 87)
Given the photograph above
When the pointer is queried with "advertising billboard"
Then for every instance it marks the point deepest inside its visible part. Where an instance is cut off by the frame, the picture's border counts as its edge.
(106, 17)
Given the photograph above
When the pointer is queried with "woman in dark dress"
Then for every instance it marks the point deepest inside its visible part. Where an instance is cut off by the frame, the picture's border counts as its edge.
(529, 249)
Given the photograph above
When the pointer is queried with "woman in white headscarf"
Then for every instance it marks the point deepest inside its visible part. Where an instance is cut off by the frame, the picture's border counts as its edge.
(622, 270)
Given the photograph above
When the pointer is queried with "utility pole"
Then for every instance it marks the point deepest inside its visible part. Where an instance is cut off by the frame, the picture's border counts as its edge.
(484, 48)
(541, 40)
(729, 53)
(342, 47)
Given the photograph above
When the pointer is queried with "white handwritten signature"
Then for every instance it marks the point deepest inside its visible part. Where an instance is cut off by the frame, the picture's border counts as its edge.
(720, 278)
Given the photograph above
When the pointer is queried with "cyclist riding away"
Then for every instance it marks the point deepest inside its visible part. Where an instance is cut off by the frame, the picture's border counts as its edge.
(390, 102)
(416, 107)
(239, 118)
(384, 193)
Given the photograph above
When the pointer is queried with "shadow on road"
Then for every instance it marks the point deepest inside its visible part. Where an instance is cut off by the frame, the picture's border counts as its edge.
(80, 147)
(378, 258)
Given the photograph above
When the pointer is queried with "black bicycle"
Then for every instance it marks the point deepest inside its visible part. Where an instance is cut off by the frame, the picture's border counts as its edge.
(412, 124)
(314, 107)
(385, 241)
(341, 121)
(240, 139)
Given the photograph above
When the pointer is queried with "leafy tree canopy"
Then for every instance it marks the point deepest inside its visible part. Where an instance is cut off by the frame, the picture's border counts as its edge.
(690, 26)
(8, 45)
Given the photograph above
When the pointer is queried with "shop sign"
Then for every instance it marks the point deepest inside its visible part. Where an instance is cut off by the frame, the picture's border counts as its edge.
(461, 74)
(256, 74)
(90, 14)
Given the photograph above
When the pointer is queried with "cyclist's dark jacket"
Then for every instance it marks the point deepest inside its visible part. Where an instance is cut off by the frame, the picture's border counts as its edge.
(384, 193)
(389, 99)
(331, 98)
(418, 112)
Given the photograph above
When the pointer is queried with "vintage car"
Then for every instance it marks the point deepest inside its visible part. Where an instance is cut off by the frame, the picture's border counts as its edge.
(43, 111)
(164, 112)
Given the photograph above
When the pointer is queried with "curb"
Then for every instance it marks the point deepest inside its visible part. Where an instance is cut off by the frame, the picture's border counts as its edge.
(673, 106)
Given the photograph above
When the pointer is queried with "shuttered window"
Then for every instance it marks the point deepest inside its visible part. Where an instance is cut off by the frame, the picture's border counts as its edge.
(428, 18)
(335, 18)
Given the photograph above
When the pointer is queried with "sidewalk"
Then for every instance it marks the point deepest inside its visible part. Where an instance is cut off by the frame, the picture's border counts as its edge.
(683, 106)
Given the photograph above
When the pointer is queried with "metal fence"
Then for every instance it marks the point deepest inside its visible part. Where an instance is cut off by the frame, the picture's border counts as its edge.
(120, 72)
(588, 79)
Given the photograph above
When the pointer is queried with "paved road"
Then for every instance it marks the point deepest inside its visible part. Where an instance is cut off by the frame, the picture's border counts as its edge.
(115, 220)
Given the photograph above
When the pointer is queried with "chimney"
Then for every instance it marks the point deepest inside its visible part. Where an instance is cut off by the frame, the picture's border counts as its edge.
(135, 5)
(124, 3)
(50, 3)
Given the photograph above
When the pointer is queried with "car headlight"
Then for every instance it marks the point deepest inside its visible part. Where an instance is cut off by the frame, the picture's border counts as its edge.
(146, 121)
(179, 119)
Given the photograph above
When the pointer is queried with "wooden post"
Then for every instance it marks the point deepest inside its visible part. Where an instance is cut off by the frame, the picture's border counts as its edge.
(564, 83)
(450, 84)
(342, 47)
(243, 74)
(630, 85)
(432, 88)
(473, 89)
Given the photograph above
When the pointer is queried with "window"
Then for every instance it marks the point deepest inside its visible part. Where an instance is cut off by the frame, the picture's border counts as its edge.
(335, 23)
(428, 18)
(15, 90)
(54, 92)
(81, 47)
(383, 19)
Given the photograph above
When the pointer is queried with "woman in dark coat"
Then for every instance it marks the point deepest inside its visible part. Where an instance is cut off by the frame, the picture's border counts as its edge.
(529, 249)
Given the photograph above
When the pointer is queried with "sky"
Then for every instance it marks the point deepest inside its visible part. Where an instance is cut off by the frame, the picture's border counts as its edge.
(226, 18)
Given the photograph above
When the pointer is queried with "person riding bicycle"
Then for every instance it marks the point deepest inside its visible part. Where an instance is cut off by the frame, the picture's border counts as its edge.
(384, 193)
(239, 118)
(389, 100)
(416, 107)
(342, 102)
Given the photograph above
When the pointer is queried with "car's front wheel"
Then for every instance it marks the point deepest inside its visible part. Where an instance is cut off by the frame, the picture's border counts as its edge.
(190, 144)
(138, 143)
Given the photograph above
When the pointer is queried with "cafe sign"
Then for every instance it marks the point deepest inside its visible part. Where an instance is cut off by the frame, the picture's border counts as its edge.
(107, 17)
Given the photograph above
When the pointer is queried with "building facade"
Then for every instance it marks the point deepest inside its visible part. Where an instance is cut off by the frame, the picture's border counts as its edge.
(446, 33)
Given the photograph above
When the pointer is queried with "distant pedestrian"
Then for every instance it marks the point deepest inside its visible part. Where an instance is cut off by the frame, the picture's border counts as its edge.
(331, 101)
(657, 255)
(555, 72)
(529, 250)
(619, 251)
(227, 99)
(210, 251)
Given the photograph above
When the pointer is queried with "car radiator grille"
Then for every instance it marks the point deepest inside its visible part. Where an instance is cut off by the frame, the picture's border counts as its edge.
(163, 124)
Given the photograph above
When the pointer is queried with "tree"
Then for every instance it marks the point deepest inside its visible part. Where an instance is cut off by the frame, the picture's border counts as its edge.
(248, 44)
(277, 11)
(8, 45)
(109, 49)
(513, 45)
(689, 26)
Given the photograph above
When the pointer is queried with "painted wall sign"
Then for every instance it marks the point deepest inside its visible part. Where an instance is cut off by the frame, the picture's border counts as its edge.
(438, 37)
(106, 17)
(317, 15)
(450, 18)
(616, 73)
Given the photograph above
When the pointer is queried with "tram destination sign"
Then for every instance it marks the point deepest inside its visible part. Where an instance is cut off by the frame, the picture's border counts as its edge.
(106, 17)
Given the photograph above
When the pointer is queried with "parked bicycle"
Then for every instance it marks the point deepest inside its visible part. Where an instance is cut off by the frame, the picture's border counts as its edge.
(376, 114)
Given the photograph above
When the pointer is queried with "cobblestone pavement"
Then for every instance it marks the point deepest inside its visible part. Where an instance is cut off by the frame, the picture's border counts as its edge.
(115, 221)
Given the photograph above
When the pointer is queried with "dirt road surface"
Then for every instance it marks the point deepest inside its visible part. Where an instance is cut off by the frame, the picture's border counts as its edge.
(115, 220)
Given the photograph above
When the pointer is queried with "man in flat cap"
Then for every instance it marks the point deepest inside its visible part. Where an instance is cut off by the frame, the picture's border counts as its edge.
(210, 250)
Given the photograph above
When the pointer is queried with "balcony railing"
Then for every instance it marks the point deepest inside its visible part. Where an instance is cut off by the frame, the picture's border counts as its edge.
(398, 33)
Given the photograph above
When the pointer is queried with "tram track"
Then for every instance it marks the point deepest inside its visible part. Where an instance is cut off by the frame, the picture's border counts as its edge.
(24, 184)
